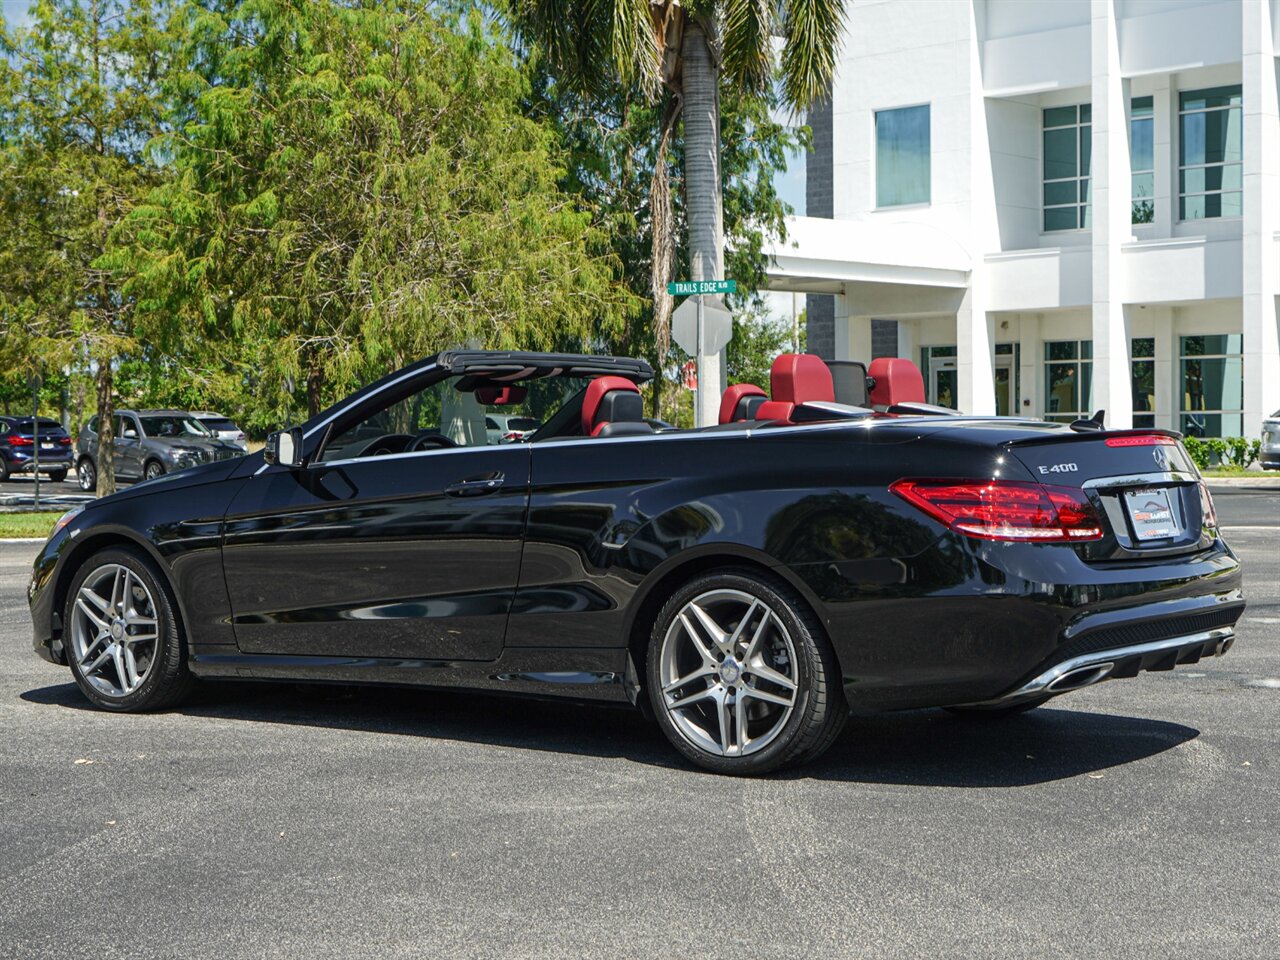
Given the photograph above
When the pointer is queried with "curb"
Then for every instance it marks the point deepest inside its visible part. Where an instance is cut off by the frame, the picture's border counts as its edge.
(1257, 483)
(10, 540)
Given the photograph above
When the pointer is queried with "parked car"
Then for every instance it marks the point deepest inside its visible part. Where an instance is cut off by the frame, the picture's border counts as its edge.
(149, 444)
(224, 428)
(504, 429)
(18, 446)
(1269, 455)
(749, 583)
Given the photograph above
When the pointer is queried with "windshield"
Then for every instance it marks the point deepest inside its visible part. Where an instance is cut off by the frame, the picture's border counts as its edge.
(174, 427)
(442, 415)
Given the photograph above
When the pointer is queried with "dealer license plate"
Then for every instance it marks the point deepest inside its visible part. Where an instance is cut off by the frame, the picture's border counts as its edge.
(46, 446)
(1151, 514)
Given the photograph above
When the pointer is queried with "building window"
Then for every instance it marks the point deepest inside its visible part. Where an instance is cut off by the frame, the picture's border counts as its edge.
(1143, 374)
(1211, 381)
(1068, 379)
(902, 156)
(1142, 159)
(1211, 147)
(1067, 144)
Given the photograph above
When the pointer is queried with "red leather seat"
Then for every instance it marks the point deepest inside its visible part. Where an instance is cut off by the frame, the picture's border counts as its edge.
(740, 402)
(612, 406)
(897, 381)
(796, 378)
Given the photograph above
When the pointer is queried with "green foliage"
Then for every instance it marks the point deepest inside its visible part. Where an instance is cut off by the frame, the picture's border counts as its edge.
(81, 94)
(1238, 452)
(355, 187)
(1198, 450)
(611, 156)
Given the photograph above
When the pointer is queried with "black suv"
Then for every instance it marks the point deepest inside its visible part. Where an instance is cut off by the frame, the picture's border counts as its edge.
(18, 445)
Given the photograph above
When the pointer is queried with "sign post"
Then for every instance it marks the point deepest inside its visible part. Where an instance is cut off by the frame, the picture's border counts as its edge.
(36, 382)
(703, 340)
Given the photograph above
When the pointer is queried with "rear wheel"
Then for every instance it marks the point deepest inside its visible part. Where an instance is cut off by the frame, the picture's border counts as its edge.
(57, 476)
(741, 676)
(87, 475)
(4, 469)
(122, 635)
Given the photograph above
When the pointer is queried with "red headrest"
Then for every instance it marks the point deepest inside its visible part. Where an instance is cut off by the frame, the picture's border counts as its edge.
(501, 396)
(596, 392)
(732, 401)
(799, 378)
(897, 381)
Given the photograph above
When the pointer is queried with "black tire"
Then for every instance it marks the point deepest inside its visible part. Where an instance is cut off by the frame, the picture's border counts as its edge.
(4, 469)
(87, 475)
(976, 712)
(153, 469)
(57, 476)
(817, 709)
(167, 680)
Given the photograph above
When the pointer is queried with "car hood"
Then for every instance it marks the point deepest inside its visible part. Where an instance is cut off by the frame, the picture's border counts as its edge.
(191, 477)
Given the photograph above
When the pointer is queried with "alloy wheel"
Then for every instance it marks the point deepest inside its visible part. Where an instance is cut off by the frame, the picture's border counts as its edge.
(154, 470)
(87, 475)
(727, 667)
(114, 630)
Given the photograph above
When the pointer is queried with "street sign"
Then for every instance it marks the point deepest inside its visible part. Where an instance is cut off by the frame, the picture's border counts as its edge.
(689, 288)
(717, 325)
(689, 375)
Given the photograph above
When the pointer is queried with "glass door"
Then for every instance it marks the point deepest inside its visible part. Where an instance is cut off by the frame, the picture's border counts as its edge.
(944, 382)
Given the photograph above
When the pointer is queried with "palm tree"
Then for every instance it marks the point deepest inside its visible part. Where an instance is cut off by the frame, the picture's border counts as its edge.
(684, 51)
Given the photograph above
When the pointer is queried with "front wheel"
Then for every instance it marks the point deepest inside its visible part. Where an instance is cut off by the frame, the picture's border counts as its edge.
(87, 475)
(154, 469)
(122, 635)
(741, 676)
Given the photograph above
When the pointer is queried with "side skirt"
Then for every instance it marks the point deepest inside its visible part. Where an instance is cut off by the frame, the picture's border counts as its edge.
(577, 674)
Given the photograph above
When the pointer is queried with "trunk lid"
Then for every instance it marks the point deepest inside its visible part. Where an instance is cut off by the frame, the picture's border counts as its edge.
(1142, 483)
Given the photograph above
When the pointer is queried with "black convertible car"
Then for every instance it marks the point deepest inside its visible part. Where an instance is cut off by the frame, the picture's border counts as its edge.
(820, 551)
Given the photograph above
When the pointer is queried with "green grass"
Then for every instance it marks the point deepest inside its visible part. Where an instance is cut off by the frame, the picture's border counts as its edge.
(1229, 471)
(27, 524)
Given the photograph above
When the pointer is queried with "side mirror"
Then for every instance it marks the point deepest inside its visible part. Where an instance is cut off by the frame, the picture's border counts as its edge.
(129, 434)
(284, 448)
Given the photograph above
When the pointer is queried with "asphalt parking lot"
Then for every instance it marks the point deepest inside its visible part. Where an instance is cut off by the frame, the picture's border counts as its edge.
(1139, 818)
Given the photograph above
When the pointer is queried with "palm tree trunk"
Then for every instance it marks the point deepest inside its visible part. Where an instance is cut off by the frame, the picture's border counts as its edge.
(704, 206)
(104, 381)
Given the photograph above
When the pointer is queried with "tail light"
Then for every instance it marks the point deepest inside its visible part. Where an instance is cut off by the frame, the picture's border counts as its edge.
(513, 435)
(65, 441)
(1209, 516)
(1142, 440)
(21, 441)
(1005, 509)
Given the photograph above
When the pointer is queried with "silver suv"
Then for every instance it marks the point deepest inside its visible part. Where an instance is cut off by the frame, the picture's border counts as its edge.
(1270, 454)
(150, 443)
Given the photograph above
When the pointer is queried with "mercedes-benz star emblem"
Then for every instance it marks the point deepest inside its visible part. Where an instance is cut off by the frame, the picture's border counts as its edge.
(1161, 458)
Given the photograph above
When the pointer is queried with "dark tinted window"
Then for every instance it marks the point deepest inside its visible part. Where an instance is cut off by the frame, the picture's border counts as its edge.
(218, 423)
(25, 425)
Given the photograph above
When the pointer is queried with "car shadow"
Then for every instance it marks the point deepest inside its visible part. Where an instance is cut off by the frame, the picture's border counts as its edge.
(920, 747)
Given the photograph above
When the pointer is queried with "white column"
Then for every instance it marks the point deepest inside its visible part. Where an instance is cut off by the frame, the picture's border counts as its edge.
(1031, 361)
(975, 342)
(1112, 215)
(975, 353)
(1164, 108)
(1261, 218)
(853, 333)
(1166, 370)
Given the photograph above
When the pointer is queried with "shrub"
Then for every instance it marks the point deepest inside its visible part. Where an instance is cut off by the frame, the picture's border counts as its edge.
(1236, 451)
(1198, 450)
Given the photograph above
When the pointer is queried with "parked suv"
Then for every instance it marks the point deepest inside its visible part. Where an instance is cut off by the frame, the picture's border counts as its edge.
(223, 427)
(1269, 456)
(18, 438)
(149, 443)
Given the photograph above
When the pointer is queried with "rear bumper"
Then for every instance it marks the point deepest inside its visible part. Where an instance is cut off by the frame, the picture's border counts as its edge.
(51, 464)
(1090, 668)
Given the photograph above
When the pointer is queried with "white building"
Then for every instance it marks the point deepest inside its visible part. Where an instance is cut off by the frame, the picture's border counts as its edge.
(1053, 206)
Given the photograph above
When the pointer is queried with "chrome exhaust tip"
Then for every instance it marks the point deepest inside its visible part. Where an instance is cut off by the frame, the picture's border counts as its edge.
(1224, 646)
(1080, 677)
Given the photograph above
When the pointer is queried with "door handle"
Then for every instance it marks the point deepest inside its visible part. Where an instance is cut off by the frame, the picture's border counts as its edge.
(476, 486)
